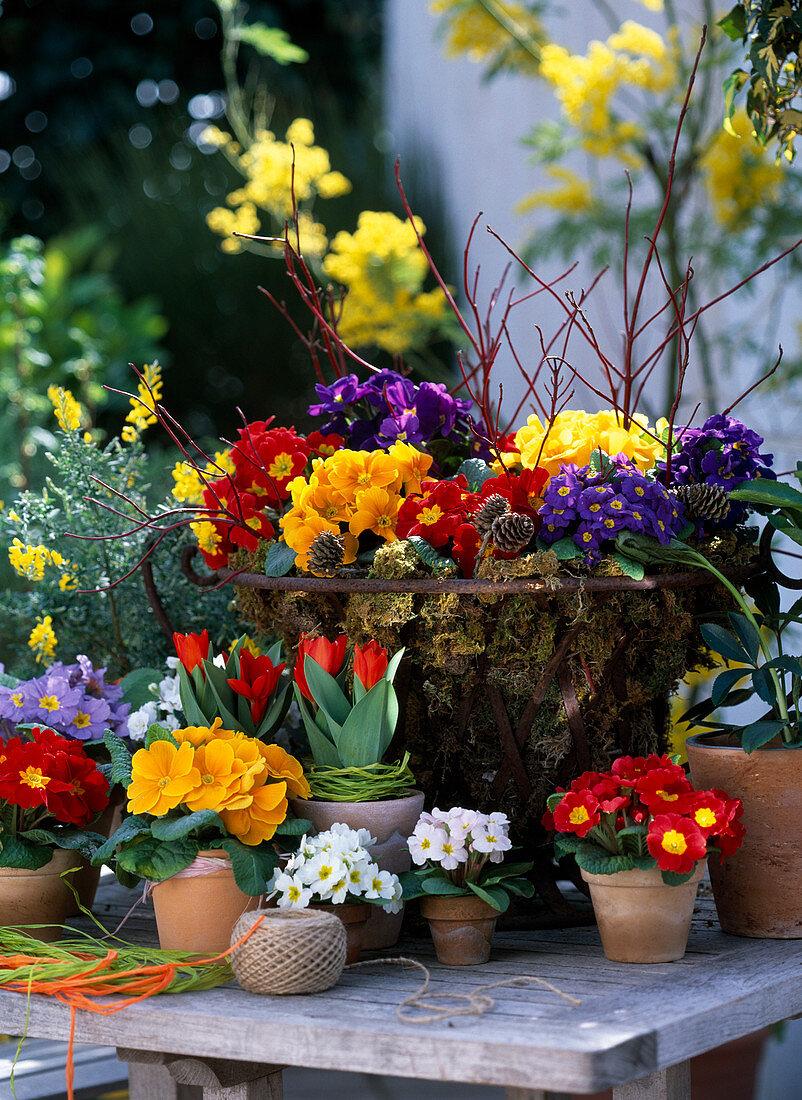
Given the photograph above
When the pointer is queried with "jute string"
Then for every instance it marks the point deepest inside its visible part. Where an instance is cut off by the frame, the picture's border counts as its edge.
(428, 1008)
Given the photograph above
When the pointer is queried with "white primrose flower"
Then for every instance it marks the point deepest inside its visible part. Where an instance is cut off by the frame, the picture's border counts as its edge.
(427, 842)
(172, 662)
(321, 873)
(140, 721)
(169, 697)
(358, 876)
(486, 838)
(453, 855)
(340, 891)
(397, 904)
(499, 821)
(460, 822)
(169, 721)
(292, 894)
(382, 884)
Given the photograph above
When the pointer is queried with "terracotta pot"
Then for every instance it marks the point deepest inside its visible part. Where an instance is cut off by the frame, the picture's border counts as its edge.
(641, 920)
(37, 897)
(355, 917)
(462, 928)
(758, 890)
(391, 821)
(86, 880)
(197, 913)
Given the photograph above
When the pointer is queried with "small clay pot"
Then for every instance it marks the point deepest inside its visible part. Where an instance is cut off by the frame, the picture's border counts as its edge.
(354, 916)
(758, 889)
(391, 821)
(197, 913)
(37, 897)
(462, 928)
(640, 918)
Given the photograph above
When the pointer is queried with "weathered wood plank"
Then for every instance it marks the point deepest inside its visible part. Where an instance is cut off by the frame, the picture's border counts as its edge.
(672, 1083)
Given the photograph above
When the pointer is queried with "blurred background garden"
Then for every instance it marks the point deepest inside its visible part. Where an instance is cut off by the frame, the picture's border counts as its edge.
(134, 140)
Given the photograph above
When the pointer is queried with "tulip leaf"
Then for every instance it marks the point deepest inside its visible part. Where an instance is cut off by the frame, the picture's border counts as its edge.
(495, 896)
(326, 692)
(120, 758)
(279, 560)
(253, 865)
(363, 738)
(321, 745)
(189, 703)
(166, 828)
(275, 713)
(393, 663)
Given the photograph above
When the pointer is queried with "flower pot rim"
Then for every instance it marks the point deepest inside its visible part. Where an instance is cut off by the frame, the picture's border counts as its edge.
(708, 741)
(652, 874)
(409, 793)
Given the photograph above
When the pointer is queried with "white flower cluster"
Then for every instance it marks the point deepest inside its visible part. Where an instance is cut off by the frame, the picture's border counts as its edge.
(451, 837)
(165, 708)
(335, 866)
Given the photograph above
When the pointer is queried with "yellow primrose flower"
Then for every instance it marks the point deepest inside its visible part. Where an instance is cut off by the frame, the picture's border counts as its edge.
(575, 435)
(412, 465)
(280, 765)
(161, 777)
(260, 819)
(376, 511)
(352, 471)
(221, 777)
(300, 538)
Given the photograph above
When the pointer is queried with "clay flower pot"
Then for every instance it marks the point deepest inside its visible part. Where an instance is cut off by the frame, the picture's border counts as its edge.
(197, 911)
(462, 928)
(391, 821)
(37, 897)
(355, 917)
(640, 918)
(86, 880)
(758, 890)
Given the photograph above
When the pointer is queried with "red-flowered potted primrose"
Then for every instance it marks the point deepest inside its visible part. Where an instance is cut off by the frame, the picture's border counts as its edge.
(641, 835)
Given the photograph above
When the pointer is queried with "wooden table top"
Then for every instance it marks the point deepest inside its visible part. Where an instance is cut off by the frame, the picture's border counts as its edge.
(633, 1019)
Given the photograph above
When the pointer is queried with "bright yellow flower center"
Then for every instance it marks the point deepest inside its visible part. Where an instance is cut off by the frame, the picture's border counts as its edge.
(81, 720)
(17, 698)
(282, 466)
(674, 842)
(579, 815)
(33, 777)
(704, 817)
(49, 702)
(430, 515)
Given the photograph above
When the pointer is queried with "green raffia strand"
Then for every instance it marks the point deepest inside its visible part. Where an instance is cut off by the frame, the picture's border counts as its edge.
(368, 784)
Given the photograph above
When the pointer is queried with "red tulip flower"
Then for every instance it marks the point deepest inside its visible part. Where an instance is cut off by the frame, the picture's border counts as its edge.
(675, 842)
(329, 655)
(191, 648)
(257, 683)
(370, 663)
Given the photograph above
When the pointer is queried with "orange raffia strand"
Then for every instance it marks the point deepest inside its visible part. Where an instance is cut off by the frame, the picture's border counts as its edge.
(79, 990)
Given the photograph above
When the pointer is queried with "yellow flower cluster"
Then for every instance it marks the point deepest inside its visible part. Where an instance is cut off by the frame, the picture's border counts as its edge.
(270, 179)
(383, 269)
(739, 174)
(573, 195)
(475, 32)
(30, 561)
(140, 416)
(43, 639)
(68, 411)
(242, 779)
(351, 492)
(586, 84)
(575, 435)
(188, 487)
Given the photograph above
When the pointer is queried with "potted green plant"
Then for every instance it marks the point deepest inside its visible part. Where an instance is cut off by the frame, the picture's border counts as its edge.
(640, 835)
(461, 882)
(349, 735)
(757, 891)
(204, 804)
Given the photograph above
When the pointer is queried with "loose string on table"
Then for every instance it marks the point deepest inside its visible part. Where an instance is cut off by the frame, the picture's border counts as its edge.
(474, 1003)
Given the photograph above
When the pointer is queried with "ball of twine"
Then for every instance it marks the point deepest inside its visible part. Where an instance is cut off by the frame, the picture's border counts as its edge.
(292, 951)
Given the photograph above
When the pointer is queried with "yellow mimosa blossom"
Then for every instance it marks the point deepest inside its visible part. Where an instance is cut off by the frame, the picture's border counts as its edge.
(140, 416)
(68, 411)
(575, 435)
(472, 30)
(161, 777)
(376, 511)
(228, 222)
(384, 269)
(739, 173)
(573, 195)
(43, 639)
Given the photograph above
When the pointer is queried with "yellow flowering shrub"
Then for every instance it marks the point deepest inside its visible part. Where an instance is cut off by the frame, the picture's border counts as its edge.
(30, 561)
(139, 416)
(188, 487)
(572, 193)
(473, 31)
(739, 173)
(42, 640)
(383, 269)
(575, 435)
(68, 411)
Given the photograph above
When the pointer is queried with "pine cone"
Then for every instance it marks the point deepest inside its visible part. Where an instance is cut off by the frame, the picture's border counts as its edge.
(326, 554)
(496, 505)
(512, 531)
(703, 502)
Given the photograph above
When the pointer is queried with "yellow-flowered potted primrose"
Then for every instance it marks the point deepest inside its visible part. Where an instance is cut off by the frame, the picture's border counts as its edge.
(203, 791)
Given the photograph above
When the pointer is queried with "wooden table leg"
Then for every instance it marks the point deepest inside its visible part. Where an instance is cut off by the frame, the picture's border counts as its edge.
(673, 1083)
(154, 1075)
(153, 1082)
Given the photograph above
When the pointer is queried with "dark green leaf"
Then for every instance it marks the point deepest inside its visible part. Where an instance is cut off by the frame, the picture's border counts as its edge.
(253, 865)
(774, 494)
(747, 634)
(787, 664)
(476, 472)
(566, 844)
(723, 642)
(155, 859)
(364, 736)
(493, 895)
(563, 549)
(190, 705)
(120, 758)
(436, 884)
(131, 827)
(632, 830)
(723, 684)
(176, 828)
(136, 686)
(520, 886)
(16, 852)
(757, 734)
(498, 871)
(158, 733)
(764, 686)
(734, 23)
(427, 553)
(643, 863)
(326, 692)
(674, 878)
(70, 839)
(629, 567)
(593, 859)
(294, 826)
(279, 559)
